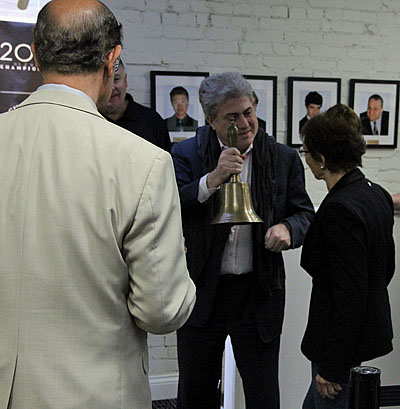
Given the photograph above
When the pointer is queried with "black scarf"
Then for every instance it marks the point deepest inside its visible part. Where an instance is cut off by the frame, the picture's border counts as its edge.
(263, 192)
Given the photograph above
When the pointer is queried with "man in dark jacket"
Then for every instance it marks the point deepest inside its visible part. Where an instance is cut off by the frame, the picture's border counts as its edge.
(180, 121)
(313, 103)
(123, 111)
(238, 270)
(375, 121)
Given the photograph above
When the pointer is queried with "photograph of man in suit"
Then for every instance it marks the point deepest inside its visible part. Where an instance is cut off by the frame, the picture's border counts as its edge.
(92, 251)
(123, 111)
(238, 270)
(375, 121)
(180, 121)
(313, 103)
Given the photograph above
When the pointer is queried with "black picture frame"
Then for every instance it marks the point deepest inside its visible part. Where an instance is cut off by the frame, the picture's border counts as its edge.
(361, 91)
(161, 84)
(265, 87)
(298, 88)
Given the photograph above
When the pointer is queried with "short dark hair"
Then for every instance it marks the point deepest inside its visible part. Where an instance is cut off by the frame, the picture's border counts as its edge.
(313, 97)
(178, 91)
(337, 135)
(77, 45)
(376, 97)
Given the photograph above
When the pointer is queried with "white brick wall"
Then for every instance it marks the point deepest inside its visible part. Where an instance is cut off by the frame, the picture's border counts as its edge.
(341, 38)
(162, 354)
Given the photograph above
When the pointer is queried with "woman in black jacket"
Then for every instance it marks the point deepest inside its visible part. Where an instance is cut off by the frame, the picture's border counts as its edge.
(349, 253)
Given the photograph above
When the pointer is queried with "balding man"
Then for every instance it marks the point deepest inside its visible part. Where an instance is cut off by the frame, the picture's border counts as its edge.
(92, 252)
(122, 110)
(375, 120)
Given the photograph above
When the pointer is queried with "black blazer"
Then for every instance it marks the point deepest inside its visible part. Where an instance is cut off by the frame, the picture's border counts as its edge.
(188, 124)
(145, 122)
(292, 205)
(366, 124)
(349, 253)
(302, 122)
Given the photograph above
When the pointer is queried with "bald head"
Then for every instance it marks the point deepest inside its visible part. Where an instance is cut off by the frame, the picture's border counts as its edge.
(68, 13)
(75, 36)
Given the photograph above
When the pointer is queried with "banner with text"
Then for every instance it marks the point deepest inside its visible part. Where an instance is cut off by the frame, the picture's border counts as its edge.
(18, 73)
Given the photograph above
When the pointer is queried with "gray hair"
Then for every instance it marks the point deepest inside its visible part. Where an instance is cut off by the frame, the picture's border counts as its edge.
(75, 45)
(218, 88)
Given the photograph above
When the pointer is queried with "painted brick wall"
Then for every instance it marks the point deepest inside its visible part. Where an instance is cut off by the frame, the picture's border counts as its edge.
(313, 38)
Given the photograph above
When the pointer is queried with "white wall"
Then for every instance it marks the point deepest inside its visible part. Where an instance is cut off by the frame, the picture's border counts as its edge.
(312, 38)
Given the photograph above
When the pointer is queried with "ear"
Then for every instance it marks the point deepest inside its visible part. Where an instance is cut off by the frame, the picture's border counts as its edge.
(33, 48)
(211, 122)
(322, 161)
(111, 58)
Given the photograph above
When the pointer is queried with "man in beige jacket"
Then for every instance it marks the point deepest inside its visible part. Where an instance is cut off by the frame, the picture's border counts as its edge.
(91, 245)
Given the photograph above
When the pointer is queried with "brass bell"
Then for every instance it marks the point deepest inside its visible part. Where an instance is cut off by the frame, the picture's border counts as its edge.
(236, 206)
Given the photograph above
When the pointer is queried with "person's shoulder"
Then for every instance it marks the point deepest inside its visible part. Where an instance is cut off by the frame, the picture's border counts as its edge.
(191, 146)
(140, 109)
(285, 150)
(363, 115)
(189, 118)
(126, 139)
(187, 145)
(357, 192)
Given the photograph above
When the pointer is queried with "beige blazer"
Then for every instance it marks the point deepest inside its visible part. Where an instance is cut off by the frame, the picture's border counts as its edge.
(91, 257)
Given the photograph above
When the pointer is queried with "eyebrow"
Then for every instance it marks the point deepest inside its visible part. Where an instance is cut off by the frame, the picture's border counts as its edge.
(250, 108)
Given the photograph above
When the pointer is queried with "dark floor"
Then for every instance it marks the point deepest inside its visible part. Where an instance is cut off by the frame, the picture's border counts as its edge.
(164, 404)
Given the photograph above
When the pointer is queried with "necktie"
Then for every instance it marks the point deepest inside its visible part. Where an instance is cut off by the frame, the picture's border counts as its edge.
(375, 129)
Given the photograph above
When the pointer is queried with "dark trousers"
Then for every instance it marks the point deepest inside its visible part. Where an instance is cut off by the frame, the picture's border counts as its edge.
(200, 351)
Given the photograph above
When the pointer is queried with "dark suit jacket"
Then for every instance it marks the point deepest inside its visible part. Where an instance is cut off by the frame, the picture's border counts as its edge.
(292, 205)
(349, 253)
(188, 124)
(366, 124)
(302, 122)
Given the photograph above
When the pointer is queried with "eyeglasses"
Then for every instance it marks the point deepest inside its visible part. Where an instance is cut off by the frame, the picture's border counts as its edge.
(116, 64)
(303, 151)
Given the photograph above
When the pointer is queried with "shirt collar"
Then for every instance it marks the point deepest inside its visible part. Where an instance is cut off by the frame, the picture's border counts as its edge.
(224, 147)
(63, 87)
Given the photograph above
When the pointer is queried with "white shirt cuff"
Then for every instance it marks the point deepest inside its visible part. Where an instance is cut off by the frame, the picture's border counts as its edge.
(204, 193)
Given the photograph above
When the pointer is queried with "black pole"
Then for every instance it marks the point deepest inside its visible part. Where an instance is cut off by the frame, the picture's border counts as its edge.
(365, 384)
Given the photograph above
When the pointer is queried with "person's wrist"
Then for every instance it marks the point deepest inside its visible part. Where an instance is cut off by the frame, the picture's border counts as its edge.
(212, 180)
(287, 225)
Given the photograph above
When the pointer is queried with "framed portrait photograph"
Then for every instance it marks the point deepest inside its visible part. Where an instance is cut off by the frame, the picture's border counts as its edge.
(175, 96)
(265, 95)
(308, 97)
(377, 104)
